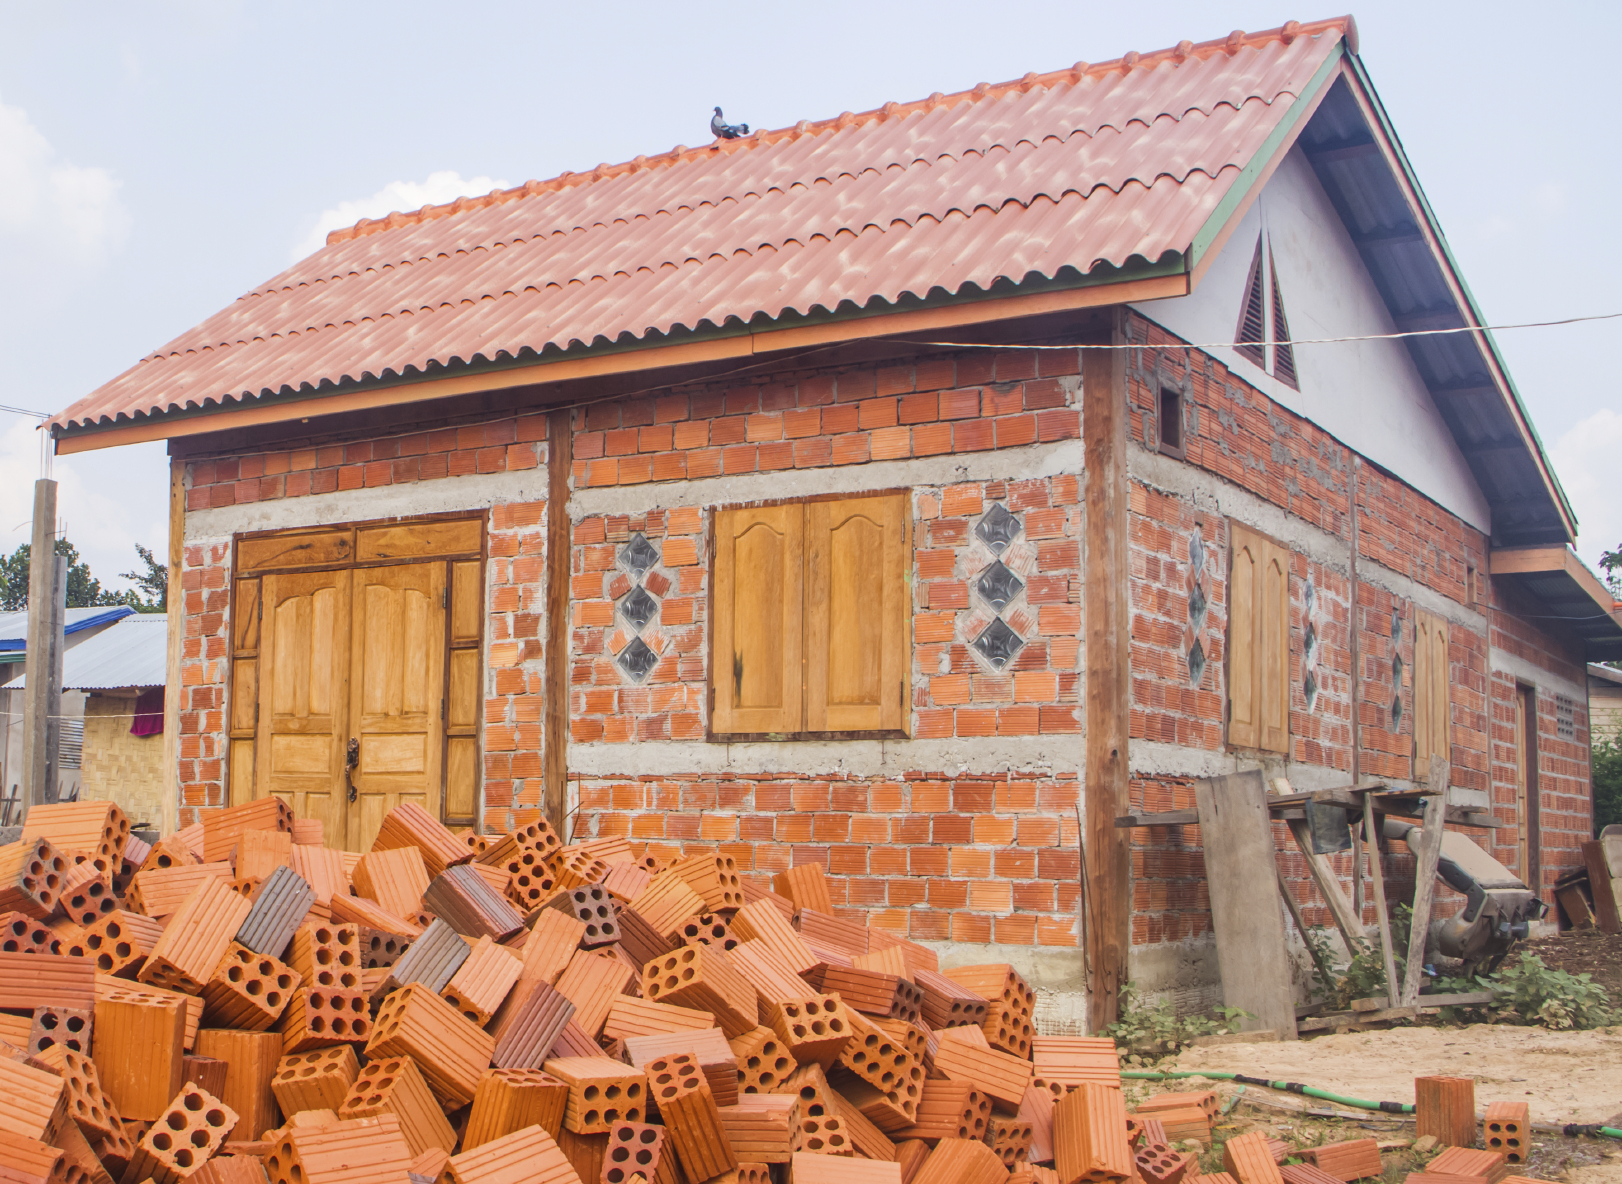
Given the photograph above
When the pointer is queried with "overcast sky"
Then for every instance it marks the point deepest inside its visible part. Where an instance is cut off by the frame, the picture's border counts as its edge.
(159, 159)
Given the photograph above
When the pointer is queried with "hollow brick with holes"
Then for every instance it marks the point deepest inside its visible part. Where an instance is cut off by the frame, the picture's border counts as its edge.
(120, 941)
(1247, 1158)
(451, 1051)
(393, 1085)
(639, 1149)
(1506, 1128)
(71, 1028)
(594, 908)
(248, 991)
(530, 1154)
(196, 938)
(814, 1029)
(316, 1080)
(509, 1100)
(601, 1093)
(483, 981)
(678, 1088)
(191, 1129)
(339, 1152)
(316, 1018)
(760, 1127)
(1351, 1159)
(31, 875)
(324, 953)
(701, 977)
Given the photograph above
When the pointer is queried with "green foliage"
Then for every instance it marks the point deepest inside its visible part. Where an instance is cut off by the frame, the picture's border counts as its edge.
(154, 582)
(1364, 976)
(1323, 986)
(1607, 767)
(1611, 563)
(84, 590)
(1158, 1030)
(1552, 998)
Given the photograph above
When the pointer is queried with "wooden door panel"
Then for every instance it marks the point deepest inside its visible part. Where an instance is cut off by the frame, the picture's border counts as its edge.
(1273, 630)
(759, 556)
(419, 540)
(303, 672)
(397, 688)
(465, 605)
(1244, 728)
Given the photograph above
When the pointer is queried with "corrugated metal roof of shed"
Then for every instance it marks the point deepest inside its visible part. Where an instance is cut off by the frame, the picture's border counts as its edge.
(134, 652)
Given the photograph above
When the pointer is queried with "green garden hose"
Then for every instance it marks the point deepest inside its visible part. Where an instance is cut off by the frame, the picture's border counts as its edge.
(1309, 1091)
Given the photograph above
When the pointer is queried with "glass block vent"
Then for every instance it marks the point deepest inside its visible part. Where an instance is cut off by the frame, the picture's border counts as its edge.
(998, 585)
(998, 643)
(997, 528)
(638, 555)
(637, 660)
(639, 607)
(1196, 664)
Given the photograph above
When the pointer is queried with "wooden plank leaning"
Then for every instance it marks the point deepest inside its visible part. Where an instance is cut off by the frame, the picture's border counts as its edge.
(1377, 876)
(1239, 852)
(1428, 855)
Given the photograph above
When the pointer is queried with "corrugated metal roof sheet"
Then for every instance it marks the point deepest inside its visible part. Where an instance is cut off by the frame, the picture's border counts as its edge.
(14, 626)
(133, 653)
(1053, 176)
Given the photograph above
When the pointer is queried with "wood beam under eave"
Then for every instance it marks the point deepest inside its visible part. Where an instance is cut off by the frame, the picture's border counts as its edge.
(1358, 151)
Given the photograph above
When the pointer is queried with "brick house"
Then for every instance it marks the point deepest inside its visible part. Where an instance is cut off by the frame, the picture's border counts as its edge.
(913, 491)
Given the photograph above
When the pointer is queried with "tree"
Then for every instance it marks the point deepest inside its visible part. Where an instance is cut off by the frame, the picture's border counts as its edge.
(1611, 561)
(1607, 769)
(154, 582)
(84, 590)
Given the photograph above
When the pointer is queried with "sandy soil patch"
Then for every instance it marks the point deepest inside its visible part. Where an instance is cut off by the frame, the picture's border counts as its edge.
(1563, 1076)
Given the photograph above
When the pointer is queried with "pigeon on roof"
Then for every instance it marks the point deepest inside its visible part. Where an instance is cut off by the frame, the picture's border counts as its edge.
(724, 130)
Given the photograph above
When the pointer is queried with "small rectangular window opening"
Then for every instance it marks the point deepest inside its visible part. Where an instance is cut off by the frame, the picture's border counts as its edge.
(1171, 423)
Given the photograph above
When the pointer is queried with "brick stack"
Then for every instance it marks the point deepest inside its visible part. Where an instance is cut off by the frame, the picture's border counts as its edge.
(467, 1007)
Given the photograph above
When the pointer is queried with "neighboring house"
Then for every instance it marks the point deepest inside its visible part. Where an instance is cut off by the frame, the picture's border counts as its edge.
(112, 687)
(80, 627)
(1604, 701)
(884, 491)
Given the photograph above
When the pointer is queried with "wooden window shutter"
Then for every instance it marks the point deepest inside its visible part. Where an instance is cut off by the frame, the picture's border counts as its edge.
(1283, 355)
(1432, 697)
(758, 593)
(1273, 650)
(1258, 642)
(856, 614)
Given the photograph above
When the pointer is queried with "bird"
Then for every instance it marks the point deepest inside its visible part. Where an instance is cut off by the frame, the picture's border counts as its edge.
(724, 130)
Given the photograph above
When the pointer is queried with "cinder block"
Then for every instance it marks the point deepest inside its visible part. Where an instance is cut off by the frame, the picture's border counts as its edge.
(139, 1053)
(318, 1080)
(196, 939)
(1247, 1158)
(1089, 1135)
(409, 825)
(962, 1161)
(191, 1129)
(701, 977)
(32, 981)
(602, 1092)
(396, 878)
(359, 1151)
(248, 991)
(65, 1026)
(32, 1101)
(1446, 1108)
(1506, 1129)
(483, 981)
(509, 1100)
(394, 1085)
(530, 1155)
(279, 906)
(813, 1029)
(315, 1018)
(451, 1052)
(679, 1089)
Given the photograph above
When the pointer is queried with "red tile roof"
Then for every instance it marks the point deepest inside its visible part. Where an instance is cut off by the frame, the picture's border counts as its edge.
(1056, 175)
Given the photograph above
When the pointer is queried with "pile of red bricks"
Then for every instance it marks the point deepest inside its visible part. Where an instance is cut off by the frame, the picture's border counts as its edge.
(241, 1004)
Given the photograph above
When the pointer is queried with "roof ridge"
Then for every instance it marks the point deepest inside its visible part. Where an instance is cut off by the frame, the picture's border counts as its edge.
(1181, 52)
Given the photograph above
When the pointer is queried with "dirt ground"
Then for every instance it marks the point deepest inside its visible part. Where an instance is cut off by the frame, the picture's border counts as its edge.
(1579, 951)
(1562, 1076)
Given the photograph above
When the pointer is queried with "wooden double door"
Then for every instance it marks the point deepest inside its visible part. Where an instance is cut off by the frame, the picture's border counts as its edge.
(352, 673)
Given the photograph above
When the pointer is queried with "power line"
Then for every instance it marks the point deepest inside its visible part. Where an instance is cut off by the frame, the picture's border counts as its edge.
(1608, 316)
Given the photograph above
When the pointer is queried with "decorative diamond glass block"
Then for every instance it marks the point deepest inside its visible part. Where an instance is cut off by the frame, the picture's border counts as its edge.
(1310, 641)
(1396, 711)
(998, 585)
(998, 644)
(998, 528)
(1197, 606)
(1309, 685)
(639, 608)
(638, 555)
(1196, 664)
(1309, 597)
(1196, 550)
(637, 659)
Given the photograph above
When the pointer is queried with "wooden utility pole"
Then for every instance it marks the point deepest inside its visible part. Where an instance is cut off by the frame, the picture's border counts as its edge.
(1108, 607)
(39, 757)
(559, 540)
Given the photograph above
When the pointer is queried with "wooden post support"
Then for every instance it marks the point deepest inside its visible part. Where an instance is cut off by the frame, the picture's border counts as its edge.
(559, 549)
(1323, 875)
(1428, 856)
(1301, 924)
(1446, 1108)
(1108, 920)
(37, 762)
(1377, 876)
(175, 605)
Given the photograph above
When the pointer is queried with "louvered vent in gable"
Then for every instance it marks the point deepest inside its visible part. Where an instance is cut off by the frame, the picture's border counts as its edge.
(1283, 354)
(1252, 333)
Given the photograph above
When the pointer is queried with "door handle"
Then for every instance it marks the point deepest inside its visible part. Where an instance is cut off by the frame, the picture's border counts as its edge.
(351, 759)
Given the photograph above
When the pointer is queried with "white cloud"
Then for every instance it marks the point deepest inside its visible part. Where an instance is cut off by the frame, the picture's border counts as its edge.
(51, 202)
(395, 197)
(1550, 197)
(1586, 460)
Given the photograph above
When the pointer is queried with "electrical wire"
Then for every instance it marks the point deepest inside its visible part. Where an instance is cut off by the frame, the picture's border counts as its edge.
(1294, 341)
